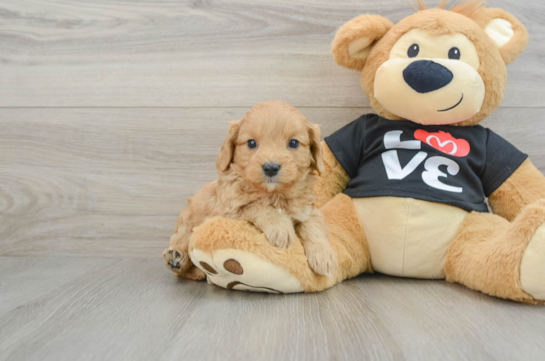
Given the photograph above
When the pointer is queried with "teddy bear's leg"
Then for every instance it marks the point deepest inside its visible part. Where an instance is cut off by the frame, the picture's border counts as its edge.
(236, 255)
(501, 258)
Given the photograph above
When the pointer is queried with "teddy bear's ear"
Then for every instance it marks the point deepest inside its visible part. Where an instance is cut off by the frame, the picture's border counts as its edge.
(355, 39)
(507, 32)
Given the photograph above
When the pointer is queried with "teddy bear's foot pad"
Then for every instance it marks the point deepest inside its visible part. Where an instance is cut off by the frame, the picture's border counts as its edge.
(244, 271)
(532, 268)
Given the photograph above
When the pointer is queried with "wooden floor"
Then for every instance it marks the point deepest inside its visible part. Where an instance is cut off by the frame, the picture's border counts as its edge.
(111, 115)
(113, 308)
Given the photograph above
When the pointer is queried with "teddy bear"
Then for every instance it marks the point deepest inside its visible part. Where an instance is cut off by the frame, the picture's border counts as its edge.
(418, 189)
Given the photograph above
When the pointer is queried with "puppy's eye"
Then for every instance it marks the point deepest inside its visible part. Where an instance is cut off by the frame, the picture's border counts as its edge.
(454, 53)
(413, 50)
(252, 144)
(293, 144)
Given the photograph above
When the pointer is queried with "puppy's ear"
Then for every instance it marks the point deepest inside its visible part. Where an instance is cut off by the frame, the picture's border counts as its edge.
(505, 30)
(225, 157)
(316, 148)
(356, 38)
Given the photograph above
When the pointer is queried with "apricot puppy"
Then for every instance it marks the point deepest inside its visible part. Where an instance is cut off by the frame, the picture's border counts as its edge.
(266, 172)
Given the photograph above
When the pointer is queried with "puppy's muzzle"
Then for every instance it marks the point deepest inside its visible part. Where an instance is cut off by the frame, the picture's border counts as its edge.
(271, 169)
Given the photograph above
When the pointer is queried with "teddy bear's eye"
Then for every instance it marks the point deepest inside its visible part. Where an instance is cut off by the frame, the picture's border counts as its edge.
(252, 144)
(454, 53)
(413, 50)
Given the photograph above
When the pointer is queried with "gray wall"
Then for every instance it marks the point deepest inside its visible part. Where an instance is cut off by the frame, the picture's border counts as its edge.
(111, 114)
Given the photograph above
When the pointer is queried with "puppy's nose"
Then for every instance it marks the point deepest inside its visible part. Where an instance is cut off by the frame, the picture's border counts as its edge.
(271, 169)
(425, 76)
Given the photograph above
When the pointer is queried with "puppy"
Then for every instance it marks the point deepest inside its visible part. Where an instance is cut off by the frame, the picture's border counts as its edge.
(266, 172)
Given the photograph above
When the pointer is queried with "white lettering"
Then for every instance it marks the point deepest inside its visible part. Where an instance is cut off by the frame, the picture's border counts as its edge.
(392, 140)
(442, 145)
(393, 167)
(432, 173)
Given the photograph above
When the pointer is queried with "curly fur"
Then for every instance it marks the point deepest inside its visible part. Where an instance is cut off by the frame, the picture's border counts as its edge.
(244, 192)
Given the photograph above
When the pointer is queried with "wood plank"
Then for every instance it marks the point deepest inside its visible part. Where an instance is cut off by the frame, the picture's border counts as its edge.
(205, 54)
(111, 182)
(134, 309)
(24, 280)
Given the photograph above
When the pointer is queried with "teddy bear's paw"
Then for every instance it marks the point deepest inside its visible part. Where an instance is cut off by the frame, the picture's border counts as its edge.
(176, 260)
(532, 268)
(321, 258)
(244, 271)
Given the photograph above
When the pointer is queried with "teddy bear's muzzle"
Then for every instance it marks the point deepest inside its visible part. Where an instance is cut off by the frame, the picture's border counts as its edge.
(425, 76)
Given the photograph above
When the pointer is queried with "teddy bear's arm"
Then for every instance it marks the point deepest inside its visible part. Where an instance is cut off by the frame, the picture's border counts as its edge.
(525, 186)
(333, 180)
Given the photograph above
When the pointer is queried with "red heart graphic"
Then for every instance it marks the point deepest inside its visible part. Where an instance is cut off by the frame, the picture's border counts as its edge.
(444, 142)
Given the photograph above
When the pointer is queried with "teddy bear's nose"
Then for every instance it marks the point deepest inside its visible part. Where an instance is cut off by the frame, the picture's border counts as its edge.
(425, 76)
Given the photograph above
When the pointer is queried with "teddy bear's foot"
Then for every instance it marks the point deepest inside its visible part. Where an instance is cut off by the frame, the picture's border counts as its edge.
(501, 258)
(244, 271)
(236, 255)
(532, 268)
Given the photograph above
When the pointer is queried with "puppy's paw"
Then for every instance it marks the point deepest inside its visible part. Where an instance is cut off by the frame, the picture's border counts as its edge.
(281, 234)
(321, 258)
(195, 274)
(176, 260)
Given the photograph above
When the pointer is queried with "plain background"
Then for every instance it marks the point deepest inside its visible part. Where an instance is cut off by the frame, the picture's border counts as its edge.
(111, 116)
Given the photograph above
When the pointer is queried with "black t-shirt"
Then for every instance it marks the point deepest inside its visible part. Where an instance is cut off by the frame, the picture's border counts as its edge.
(459, 166)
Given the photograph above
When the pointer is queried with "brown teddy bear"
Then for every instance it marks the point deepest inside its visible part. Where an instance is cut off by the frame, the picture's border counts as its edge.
(404, 190)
